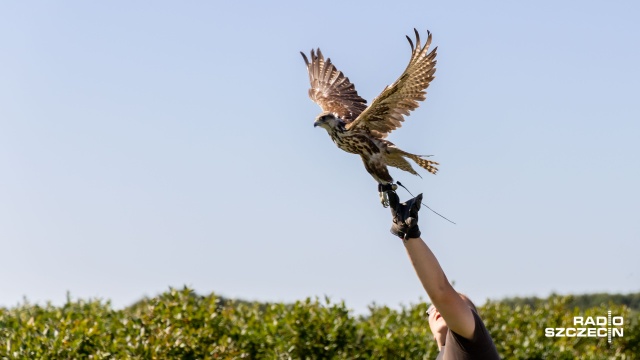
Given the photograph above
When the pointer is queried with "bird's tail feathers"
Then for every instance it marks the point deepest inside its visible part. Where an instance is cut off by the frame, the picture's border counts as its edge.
(428, 165)
(397, 160)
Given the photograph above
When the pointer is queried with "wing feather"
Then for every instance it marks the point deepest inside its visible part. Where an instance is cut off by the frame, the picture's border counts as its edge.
(331, 89)
(386, 112)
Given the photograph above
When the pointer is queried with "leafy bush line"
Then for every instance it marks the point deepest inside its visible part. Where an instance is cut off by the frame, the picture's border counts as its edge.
(182, 325)
(585, 301)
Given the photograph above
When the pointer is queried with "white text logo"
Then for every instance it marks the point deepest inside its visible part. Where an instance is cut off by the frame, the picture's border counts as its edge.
(591, 326)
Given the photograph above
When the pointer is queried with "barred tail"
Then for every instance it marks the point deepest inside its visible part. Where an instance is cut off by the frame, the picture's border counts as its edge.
(428, 165)
(396, 158)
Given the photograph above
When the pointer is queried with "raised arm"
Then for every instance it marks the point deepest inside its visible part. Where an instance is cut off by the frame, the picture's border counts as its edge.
(453, 309)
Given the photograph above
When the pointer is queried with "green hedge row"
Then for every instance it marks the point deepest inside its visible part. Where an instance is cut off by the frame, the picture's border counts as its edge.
(182, 325)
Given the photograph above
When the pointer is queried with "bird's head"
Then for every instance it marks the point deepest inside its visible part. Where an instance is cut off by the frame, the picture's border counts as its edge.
(328, 121)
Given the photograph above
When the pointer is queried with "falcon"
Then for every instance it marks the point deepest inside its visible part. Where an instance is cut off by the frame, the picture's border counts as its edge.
(360, 129)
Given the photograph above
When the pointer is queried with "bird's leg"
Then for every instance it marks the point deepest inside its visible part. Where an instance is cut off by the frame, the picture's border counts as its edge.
(382, 189)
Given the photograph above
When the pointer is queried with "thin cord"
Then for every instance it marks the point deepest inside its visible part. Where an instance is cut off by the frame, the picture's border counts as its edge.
(425, 205)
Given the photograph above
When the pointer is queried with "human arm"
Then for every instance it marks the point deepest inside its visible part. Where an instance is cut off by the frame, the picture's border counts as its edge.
(453, 309)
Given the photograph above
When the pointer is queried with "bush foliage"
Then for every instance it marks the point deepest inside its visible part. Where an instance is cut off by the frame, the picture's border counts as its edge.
(182, 325)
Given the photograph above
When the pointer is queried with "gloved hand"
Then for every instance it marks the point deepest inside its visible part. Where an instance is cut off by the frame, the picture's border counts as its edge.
(405, 216)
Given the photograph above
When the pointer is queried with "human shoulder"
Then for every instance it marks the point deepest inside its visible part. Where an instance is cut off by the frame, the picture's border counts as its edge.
(480, 345)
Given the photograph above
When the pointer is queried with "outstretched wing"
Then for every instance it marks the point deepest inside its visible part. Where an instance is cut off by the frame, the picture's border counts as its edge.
(386, 112)
(331, 89)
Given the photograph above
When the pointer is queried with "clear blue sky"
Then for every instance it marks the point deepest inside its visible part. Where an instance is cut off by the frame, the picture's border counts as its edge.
(153, 144)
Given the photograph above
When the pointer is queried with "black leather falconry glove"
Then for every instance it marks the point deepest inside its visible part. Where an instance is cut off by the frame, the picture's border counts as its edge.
(405, 216)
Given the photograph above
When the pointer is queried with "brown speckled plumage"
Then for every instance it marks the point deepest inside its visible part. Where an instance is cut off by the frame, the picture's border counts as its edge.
(358, 129)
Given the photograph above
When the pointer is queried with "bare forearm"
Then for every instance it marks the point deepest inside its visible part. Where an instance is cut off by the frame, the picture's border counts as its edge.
(453, 309)
(428, 269)
(449, 304)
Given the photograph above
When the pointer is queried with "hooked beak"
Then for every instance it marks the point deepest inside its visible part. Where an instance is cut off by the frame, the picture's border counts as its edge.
(316, 123)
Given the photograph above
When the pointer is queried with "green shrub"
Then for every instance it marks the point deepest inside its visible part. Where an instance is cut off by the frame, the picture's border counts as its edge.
(182, 325)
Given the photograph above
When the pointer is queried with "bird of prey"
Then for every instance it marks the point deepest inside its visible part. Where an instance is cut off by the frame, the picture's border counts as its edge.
(360, 129)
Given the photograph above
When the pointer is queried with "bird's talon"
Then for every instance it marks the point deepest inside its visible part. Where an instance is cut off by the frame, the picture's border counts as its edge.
(384, 199)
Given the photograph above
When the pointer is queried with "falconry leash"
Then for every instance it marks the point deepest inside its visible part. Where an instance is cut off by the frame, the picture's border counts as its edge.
(425, 205)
